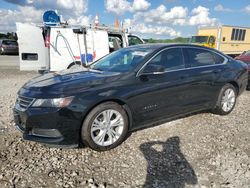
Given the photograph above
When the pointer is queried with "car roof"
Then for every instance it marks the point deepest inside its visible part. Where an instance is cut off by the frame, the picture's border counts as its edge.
(164, 45)
(159, 46)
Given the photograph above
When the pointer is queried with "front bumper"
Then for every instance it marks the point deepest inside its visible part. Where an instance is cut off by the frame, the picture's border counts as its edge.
(49, 125)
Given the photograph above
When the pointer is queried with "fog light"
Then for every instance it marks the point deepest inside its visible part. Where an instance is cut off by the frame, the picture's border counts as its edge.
(50, 133)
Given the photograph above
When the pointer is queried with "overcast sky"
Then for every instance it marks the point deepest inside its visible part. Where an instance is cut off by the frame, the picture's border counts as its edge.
(149, 18)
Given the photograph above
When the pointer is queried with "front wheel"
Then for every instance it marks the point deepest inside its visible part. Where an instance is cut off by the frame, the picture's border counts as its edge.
(105, 127)
(226, 100)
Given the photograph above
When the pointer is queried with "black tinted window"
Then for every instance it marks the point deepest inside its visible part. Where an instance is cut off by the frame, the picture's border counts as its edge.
(171, 59)
(200, 57)
(122, 60)
(218, 59)
(243, 35)
(238, 34)
(9, 42)
(232, 35)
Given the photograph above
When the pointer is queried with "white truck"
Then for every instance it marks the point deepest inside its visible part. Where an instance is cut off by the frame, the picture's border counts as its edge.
(55, 48)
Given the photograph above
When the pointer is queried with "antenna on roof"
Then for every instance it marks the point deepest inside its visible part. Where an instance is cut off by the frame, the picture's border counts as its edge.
(51, 18)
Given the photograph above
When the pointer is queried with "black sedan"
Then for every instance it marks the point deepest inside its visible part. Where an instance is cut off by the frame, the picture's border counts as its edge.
(127, 90)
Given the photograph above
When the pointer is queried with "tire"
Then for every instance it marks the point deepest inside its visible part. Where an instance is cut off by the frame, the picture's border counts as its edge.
(42, 72)
(248, 86)
(112, 135)
(75, 66)
(226, 100)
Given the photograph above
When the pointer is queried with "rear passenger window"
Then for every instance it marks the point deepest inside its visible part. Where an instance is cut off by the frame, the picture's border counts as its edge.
(200, 57)
(218, 59)
(171, 59)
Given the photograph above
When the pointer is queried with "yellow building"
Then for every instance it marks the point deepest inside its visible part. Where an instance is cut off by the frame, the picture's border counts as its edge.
(231, 40)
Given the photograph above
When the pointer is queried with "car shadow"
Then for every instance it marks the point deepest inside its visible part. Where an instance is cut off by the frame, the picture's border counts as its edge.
(167, 166)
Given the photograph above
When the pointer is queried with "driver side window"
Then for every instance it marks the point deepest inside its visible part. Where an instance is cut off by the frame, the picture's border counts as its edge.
(167, 60)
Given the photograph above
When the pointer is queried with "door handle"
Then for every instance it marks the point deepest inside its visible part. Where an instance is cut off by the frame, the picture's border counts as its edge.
(184, 76)
(216, 71)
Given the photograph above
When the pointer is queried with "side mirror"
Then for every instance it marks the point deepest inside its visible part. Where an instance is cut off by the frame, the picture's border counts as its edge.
(212, 40)
(153, 69)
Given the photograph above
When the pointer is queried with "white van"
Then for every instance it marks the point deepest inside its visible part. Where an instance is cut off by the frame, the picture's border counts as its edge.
(56, 48)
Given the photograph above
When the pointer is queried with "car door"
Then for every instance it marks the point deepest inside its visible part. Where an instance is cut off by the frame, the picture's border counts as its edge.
(161, 94)
(33, 54)
(205, 68)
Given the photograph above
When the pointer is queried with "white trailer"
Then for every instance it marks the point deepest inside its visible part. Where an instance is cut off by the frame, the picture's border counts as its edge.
(56, 48)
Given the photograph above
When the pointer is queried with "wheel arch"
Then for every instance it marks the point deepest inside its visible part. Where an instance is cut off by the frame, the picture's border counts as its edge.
(236, 86)
(217, 108)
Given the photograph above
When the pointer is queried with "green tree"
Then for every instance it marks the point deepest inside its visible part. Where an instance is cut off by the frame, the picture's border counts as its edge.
(175, 40)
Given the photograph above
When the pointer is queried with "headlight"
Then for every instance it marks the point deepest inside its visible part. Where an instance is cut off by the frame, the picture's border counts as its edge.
(56, 102)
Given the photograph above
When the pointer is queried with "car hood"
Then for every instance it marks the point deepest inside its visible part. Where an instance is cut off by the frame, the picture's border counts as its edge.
(67, 82)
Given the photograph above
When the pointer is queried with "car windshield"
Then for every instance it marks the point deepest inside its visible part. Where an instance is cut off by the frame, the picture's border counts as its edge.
(122, 60)
(199, 39)
(10, 42)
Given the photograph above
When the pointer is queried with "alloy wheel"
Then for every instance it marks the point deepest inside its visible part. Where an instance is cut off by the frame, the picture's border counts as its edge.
(228, 99)
(107, 127)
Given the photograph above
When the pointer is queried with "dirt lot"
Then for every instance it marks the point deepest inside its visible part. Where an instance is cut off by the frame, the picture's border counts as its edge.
(202, 150)
(9, 61)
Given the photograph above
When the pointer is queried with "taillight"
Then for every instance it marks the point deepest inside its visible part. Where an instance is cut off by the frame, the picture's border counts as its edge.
(47, 41)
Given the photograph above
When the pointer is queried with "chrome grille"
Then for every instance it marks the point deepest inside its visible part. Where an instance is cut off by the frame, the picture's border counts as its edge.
(24, 102)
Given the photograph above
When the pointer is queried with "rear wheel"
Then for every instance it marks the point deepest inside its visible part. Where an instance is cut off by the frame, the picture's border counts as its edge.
(75, 66)
(226, 100)
(105, 127)
(43, 71)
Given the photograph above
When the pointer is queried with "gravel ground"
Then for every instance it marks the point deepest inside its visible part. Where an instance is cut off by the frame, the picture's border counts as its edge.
(202, 150)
